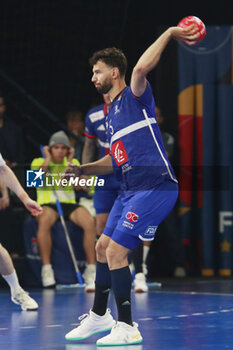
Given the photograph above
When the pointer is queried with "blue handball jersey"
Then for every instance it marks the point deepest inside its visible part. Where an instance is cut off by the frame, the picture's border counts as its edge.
(139, 158)
(95, 127)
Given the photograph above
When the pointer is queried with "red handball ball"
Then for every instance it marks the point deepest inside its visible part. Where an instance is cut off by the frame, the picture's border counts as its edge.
(187, 21)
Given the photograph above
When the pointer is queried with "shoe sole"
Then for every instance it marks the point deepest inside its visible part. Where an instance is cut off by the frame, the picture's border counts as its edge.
(82, 338)
(140, 290)
(122, 344)
(23, 308)
(35, 309)
(50, 286)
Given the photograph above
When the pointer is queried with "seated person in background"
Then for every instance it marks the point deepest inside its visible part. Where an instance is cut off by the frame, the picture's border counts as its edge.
(75, 124)
(57, 155)
(18, 294)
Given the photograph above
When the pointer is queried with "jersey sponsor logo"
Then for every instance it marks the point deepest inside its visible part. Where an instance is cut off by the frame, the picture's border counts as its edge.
(35, 178)
(94, 117)
(119, 153)
(131, 216)
(150, 231)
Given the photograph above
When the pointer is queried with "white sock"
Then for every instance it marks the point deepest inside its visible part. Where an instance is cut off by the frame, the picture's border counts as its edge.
(47, 267)
(145, 253)
(13, 282)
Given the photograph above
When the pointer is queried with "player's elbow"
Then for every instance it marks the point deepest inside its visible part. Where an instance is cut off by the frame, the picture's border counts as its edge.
(140, 71)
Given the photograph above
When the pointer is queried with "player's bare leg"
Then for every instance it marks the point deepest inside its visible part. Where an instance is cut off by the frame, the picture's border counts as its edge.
(18, 295)
(83, 219)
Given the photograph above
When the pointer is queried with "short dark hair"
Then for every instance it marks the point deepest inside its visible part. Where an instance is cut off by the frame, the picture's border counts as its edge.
(111, 56)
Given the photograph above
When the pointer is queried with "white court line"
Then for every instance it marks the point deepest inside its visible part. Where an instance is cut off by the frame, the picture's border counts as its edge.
(181, 315)
(225, 310)
(195, 314)
(140, 319)
(193, 293)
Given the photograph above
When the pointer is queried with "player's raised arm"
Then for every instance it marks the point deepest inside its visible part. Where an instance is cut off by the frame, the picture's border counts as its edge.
(151, 56)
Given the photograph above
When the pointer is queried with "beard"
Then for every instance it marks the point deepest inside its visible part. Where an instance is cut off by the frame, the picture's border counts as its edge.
(104, 88)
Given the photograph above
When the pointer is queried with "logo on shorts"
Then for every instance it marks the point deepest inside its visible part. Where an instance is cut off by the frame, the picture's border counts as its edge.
(35, 178)
(151, 230)
(131, 216)
(119, 153)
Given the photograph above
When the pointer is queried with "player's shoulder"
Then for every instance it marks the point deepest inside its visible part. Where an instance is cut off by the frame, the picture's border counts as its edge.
(128, 92)
(96, 113)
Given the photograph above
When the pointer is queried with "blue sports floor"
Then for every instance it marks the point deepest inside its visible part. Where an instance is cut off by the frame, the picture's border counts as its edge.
(187, 315)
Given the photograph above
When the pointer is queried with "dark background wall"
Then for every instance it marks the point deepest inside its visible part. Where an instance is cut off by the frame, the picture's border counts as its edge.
(45, 46)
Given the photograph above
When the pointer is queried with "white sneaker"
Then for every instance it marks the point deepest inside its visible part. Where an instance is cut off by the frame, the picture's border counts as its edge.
(121, 334)
(91, 324)
(23, 299)
(140, 285)
(47, 276)
(89, 278)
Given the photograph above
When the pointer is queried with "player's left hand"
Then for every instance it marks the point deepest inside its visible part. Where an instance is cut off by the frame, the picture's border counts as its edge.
(189, 35)
(72, 171)
(34, 208)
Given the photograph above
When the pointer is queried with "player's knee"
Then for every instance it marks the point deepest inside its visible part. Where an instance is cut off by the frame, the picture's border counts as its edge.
(100, 249)
(116, 257)
(111, 254)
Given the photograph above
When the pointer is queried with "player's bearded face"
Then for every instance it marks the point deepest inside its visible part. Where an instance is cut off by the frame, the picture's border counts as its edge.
(105, 86)
(102, 77)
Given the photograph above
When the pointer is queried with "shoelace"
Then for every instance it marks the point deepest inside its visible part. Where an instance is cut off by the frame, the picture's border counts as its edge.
(47, 273)
(21, 296)
(83, 317)
(117, 330)
(140, 278)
